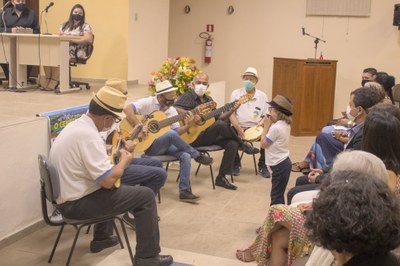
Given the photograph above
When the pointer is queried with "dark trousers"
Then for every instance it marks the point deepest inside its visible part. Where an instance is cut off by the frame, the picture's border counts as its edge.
(138, 200)
(302, 185)
(280, 179)
(146, 172)
(14, 75)
(220, 133)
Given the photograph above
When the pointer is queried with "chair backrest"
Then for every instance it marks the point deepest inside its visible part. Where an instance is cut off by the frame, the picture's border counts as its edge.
(396, 94)
(49, 180)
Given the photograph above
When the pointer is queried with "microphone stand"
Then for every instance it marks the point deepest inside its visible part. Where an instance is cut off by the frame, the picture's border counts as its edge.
(316, 41)
(45, 22)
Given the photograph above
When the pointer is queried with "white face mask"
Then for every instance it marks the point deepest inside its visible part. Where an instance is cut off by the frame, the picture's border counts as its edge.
(105, 129)
(200, 89)
(349, 115)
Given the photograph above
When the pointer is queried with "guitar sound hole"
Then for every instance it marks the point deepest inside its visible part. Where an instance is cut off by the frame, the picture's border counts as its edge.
(153, 127)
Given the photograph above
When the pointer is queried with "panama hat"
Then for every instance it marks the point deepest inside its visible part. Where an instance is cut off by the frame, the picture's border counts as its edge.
(282, 104)
(111, 100)
(164, 87)
(118, 84)
(250, 71)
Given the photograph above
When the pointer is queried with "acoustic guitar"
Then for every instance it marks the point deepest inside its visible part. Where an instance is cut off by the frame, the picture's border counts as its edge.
(158, 124)
(116, 149)
(208, 119)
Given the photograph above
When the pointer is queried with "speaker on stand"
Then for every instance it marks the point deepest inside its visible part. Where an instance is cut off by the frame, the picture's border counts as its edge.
(396, 15)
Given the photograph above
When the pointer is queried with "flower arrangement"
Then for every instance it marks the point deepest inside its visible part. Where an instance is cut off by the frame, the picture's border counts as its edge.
(180, 71)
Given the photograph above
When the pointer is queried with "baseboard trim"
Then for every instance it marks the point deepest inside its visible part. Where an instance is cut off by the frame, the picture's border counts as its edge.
(8, 240)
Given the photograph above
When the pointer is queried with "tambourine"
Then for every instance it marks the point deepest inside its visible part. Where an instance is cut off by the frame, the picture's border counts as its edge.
(253, 133)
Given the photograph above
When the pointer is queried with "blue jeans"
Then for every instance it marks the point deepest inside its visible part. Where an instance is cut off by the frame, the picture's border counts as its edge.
(280, 178)
(146, 172)
(172, 144)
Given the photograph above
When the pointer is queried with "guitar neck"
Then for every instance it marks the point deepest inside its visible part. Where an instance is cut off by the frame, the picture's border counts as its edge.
(170, 120)
(218, 111)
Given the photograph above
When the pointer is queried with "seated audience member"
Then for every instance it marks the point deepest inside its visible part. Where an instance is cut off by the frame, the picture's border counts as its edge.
(249, 115)
(219, 133)
(387, 81)
(360, 101)
(87, 179)
(357, 218)
(75, 26)
(283, 238)
(330, 141)
(169, 143)
(18, 16)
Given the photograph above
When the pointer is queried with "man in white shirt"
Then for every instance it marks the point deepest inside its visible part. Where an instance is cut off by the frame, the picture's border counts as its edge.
(249, 114)
(87, 178)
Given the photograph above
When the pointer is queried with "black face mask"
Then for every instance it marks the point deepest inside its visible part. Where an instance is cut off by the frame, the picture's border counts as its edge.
(168, 102)
(364, 81)
(77, 17)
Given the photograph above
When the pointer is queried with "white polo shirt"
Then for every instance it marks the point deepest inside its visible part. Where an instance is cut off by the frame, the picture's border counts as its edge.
(150, 104)
(278, 137)
(79, 154)
(250, 113)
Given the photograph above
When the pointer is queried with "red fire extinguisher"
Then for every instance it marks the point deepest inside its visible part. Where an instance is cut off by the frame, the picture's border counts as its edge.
(208, 51)
(208, 46)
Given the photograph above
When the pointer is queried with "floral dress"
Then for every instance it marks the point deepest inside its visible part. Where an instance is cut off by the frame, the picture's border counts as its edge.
(299, 244)
(73, 46)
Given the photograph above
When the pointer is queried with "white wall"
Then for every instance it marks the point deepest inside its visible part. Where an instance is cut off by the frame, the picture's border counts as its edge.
(148, 37)
(262, 29)
(19, 190)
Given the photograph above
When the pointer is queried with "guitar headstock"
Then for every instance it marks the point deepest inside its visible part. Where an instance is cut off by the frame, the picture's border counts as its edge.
(245, 98)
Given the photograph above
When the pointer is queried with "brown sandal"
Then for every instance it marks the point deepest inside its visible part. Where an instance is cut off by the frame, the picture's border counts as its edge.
(245, 255)
(300, 166)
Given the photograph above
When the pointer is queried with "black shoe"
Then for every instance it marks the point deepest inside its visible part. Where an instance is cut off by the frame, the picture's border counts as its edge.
(204, 159)
(247, 148)
(129, 221)
(264, 171)
(188, 196)
(221, 181)
(236, 170)
(99, 245)
(159, 260)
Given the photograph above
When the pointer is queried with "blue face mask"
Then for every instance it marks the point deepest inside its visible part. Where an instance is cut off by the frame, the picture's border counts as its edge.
(77, 17)
(20, 7)
(248, 85)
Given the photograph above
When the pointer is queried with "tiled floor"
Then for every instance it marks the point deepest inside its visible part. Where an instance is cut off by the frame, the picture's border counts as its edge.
(207, 233)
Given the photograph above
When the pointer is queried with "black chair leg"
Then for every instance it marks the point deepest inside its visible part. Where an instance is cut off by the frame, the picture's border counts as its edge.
(126, 239)
(74, 243)
(255, 164)
(117, 232)
(232, 179)
(88, 229)
(212, 177)
(55, 244)
(159, 197)
(198, 168)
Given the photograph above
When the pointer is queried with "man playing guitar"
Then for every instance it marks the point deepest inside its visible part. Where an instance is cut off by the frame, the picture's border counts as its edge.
(219, 133)
(169, 143)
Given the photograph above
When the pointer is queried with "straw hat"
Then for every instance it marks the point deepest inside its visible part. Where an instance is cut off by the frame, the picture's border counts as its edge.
(250, 71)
(111, 100)
(118, 84)
(282, 104)
(164, 87)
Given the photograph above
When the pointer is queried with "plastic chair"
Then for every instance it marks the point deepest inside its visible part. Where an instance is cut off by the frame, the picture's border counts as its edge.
(74, 62)
(49, 191)
(206, 150)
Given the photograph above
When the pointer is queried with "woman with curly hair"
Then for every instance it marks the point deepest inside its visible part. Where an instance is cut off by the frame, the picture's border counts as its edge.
(357, 218)
(283, 238)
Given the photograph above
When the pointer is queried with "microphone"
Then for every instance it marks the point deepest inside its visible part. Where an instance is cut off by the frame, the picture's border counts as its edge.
(8, 2)
(48, 6)
(303, 30)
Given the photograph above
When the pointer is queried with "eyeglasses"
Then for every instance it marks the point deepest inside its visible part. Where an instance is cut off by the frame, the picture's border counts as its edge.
(270, 109)
(205, 83)
(117, 119)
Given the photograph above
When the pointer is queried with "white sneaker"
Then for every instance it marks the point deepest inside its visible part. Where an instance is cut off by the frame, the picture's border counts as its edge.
(56, 217)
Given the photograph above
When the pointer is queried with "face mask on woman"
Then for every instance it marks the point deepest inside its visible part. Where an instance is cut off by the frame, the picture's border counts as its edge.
(248, 85)
(20, 6)
(77, 17)
(200, 89)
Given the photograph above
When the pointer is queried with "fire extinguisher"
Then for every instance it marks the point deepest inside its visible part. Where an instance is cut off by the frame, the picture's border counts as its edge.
(208, 46)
